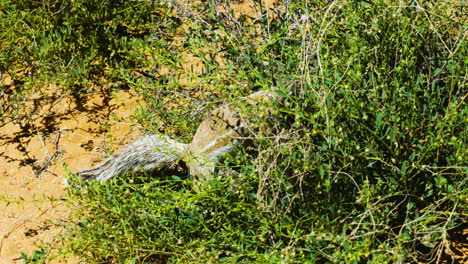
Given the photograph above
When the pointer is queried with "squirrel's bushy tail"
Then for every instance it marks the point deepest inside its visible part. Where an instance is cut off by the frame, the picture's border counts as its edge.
(146, 154)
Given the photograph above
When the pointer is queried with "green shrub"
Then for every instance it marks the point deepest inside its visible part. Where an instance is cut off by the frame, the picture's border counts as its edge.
(364, 162)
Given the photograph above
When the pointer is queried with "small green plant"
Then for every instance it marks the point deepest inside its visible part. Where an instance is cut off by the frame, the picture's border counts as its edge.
(37, 257)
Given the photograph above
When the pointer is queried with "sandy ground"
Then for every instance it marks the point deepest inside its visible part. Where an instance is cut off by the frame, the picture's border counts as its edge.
(65, 130)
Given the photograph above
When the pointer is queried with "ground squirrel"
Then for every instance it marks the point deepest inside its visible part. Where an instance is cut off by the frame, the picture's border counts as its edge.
(215, 138)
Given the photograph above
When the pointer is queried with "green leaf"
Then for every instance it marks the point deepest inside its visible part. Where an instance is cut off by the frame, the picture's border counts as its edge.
(365, 4)
(281, 93)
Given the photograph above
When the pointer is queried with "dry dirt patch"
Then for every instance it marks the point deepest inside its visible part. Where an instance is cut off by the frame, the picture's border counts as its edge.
(70, 129)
